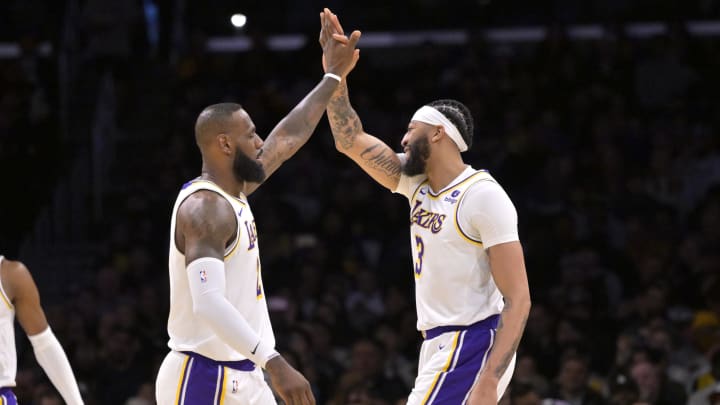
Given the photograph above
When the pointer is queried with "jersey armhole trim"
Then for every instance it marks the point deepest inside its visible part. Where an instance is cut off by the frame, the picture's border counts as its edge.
(229, 250)
(3, 296)
(462, 233)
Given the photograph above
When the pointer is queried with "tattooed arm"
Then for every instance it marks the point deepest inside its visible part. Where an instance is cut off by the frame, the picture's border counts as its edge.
(508, 270)
(294, 130)
(370, 153)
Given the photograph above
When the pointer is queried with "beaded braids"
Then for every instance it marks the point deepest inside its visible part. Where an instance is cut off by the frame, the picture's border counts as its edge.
(459, 115)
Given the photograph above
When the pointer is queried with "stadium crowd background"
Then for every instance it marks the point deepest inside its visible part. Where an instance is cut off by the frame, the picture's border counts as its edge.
(609, 149)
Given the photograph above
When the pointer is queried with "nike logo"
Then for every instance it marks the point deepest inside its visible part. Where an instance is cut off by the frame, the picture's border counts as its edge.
(240, 213)
(440, 347)
(256, 346)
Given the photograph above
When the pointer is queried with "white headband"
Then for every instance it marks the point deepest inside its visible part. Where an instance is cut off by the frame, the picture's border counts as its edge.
(432, 116)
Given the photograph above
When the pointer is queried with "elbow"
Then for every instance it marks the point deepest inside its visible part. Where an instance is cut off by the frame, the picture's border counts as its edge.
(521, 302)
(339, 146)
(526, 303)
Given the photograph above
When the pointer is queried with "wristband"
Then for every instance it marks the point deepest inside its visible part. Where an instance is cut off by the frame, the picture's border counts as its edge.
(333, 76)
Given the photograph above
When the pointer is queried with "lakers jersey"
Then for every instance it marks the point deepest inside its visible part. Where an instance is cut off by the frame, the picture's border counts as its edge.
(450, 231)
(243, 280)
(8, 357)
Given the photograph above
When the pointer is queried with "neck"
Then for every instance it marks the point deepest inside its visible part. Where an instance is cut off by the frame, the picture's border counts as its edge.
(225, 180)
(442, 171)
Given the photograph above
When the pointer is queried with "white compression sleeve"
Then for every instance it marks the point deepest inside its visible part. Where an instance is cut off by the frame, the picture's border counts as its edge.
(52, 359)
(206, 277)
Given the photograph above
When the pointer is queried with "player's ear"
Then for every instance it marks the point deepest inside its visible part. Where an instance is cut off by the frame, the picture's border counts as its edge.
(437, 133)
(224, 143)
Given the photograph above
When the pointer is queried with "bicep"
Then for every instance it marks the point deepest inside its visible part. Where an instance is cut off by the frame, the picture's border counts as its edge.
(207, 222)
(376, 159)
(507, 265)
(26, 300)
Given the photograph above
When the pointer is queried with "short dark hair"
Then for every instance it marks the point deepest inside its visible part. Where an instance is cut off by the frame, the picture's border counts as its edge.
(213, 120)
(459, 115)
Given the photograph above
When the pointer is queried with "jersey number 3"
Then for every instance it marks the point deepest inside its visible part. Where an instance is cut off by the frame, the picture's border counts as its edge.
(420, 245)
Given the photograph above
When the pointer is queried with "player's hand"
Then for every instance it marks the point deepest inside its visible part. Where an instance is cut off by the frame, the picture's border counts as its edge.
(339, 53)
(292, 387)
(484, 392)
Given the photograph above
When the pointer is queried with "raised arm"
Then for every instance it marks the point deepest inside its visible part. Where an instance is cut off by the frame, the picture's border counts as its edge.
(48, 352)
(295, 129)
(374, 156)
(206, 222)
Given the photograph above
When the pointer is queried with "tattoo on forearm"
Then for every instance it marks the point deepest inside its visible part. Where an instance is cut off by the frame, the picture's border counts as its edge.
(381, 160)
(507, 357)
(344, 121)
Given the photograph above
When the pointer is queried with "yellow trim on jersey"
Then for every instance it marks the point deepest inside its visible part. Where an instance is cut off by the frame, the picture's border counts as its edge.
(182, 379)
(6, 300)
(418, 189)
(462, 234)
(238, 199)
(237, 240)
(222, 386)
(456, 222)
(258, 280)
(445, 369)
(460, 183)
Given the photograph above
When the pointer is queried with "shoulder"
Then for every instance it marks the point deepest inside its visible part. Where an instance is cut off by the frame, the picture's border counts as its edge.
(14, 269)
(483, 188)
(16, 278)
(206, 211)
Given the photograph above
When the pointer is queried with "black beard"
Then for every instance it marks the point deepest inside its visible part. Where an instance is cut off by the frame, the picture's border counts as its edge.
(417, 158)
(247, 169)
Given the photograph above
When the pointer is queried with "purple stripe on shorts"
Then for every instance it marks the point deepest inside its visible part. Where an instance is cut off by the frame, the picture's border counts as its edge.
(459, 379)
(201, 383)
(8, 396)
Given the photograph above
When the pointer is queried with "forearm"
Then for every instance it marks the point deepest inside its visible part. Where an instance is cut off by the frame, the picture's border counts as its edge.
(507, 338)
(51, 357)
(206, 277)
(297, 127)
(226, 322)
(344, 121)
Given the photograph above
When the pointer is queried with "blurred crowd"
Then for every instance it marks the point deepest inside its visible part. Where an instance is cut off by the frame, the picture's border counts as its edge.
(609, 150)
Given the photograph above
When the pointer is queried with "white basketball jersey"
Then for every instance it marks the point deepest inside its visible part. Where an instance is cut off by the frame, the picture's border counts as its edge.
(8, 357)
(449, 232)
(244, 288)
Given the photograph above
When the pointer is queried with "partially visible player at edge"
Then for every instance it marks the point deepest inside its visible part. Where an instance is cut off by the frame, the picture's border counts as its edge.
(219, 327)
(19, 298)
(471, 287)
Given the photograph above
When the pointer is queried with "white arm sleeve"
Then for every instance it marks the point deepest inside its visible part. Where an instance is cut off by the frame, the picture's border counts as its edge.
(486, 214)
(206, 277)
(52, 359)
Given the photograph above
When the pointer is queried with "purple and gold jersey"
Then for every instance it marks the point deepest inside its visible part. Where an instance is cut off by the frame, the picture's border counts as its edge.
(243, 280)
(450, 231)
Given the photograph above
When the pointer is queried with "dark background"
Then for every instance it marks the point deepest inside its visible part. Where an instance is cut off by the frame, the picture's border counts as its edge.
(608, 147)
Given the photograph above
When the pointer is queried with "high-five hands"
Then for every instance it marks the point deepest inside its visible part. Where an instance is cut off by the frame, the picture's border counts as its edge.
(337, 47)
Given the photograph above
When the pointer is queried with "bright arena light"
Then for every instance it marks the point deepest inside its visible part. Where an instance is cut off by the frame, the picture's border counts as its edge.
(238, 20)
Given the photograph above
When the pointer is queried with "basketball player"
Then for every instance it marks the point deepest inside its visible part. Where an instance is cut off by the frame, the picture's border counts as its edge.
(19, 297)
(219, 327)
(471, 287)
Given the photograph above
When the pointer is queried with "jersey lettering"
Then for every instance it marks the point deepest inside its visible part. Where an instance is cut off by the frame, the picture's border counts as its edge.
(426, 219)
